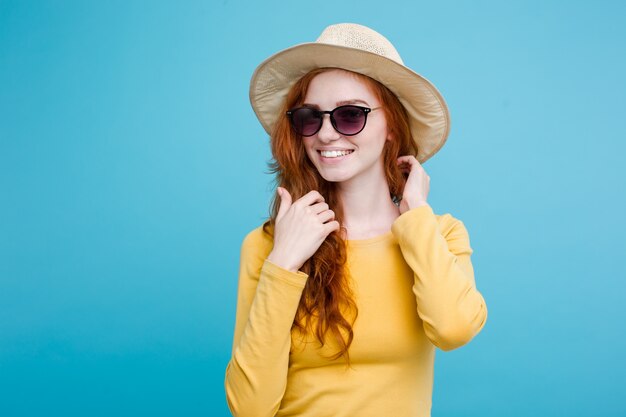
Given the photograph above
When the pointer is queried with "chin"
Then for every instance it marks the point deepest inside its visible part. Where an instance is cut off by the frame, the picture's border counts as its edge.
(334, 176)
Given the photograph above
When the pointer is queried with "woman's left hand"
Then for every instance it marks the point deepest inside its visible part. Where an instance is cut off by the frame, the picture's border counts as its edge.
(417, 184)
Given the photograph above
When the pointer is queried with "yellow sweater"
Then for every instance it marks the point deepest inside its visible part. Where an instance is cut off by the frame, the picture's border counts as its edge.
(414, 288)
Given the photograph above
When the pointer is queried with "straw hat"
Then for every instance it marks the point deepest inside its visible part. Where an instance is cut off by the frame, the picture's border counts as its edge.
(359, 49)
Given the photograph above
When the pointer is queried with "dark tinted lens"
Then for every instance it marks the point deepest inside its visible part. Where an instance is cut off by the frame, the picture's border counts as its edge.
(306, 121)
(349, 120)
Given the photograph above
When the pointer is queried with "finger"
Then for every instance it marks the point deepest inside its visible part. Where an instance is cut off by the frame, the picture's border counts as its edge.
(409, 163)
(326, 216)
(405, 168)
(408, 160)
(331, 227)
(285, 202)
(310, 198)
(318, 208)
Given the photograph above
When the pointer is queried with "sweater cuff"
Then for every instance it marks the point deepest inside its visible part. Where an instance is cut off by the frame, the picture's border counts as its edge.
(410, 217)
(296, 279)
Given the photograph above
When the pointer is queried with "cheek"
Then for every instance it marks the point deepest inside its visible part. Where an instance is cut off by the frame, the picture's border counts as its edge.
(380, 134)
(308, 148)
(380, 138)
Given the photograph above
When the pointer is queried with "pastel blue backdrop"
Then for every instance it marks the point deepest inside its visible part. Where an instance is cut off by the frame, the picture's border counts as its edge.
(132, 166)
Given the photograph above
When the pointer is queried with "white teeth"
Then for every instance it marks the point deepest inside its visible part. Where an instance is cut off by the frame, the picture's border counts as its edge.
(335, 154)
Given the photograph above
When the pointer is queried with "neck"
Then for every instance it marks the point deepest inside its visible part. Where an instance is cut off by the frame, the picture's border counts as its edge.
(368, 210)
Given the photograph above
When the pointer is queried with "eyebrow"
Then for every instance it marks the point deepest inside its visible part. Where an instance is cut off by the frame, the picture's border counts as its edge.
(339, 103)
(354, 101)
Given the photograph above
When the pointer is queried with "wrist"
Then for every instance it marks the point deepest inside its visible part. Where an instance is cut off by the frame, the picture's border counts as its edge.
(416, 203)
(283, 262)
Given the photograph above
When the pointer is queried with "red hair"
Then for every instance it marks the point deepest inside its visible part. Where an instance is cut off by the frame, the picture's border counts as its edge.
(327, 307)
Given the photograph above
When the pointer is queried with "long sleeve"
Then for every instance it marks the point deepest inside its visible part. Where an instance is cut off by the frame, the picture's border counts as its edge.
(268, 298)
(438, 252)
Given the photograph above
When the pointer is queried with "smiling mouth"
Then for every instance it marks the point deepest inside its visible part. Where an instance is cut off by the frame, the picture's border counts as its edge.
(335, 154)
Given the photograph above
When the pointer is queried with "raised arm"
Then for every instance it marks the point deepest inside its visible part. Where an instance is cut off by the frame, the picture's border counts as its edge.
(438, 251)
(270, 288)
(268, 297)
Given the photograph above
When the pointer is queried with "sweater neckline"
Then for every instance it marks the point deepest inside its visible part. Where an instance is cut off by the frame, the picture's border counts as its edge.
(388, 236)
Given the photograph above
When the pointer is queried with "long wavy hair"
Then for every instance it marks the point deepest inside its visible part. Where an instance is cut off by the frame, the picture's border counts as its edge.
(327, 307)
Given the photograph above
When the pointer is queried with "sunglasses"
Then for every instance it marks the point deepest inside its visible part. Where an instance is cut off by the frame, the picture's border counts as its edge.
(348, 120)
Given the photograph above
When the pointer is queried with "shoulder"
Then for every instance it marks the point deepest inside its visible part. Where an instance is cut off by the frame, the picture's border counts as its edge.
(256, 245)
(455, 233)
(422, 223)
(449, 224)
(258, 236)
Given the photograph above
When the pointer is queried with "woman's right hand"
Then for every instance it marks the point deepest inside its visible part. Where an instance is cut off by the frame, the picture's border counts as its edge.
(300, 229)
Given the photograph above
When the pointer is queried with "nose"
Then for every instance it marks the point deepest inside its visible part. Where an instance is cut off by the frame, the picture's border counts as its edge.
(327, 132)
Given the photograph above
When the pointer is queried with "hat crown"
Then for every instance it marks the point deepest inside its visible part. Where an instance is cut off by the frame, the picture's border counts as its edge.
(355, 36)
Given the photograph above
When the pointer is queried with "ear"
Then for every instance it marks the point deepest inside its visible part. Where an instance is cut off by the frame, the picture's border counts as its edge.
(390, 136)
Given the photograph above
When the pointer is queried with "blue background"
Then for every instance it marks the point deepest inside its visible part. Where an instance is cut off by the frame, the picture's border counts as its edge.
(132, 166)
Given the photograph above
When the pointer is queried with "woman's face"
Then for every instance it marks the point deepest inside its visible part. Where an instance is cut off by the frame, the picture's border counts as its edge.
(363, 161)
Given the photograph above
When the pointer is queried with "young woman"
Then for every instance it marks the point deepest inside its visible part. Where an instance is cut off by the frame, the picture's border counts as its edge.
(346, 291)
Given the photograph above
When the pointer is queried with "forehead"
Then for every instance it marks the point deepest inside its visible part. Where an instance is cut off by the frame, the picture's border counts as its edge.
(334, 87)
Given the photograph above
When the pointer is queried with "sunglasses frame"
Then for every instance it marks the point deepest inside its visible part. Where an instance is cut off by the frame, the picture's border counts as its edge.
(366, 111)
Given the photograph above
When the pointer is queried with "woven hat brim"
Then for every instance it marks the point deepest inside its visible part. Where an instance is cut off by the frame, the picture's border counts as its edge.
(427, 110)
